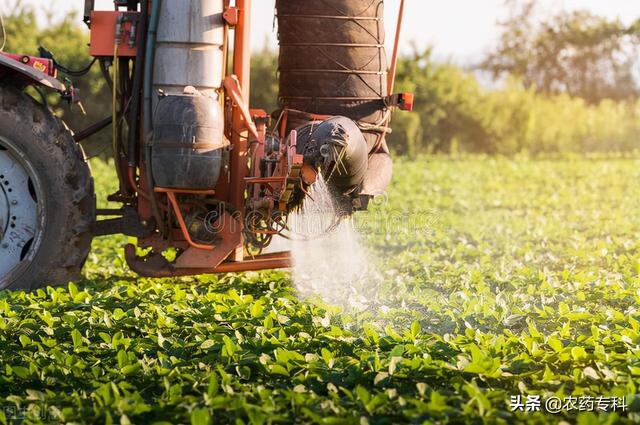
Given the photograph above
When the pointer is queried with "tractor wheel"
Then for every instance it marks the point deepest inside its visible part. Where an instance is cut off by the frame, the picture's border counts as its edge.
(47, 200)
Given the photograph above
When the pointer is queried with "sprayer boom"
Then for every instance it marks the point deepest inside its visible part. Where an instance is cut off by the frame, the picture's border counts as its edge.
(202, 174)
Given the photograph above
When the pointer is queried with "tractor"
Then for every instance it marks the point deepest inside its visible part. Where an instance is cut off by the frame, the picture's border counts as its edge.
(200, 174)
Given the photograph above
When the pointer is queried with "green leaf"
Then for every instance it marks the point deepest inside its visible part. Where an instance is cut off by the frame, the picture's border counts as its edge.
(207, 344)
(131, 369)
(578, 353)
(257, 308)
(21, 372)
(590, 372)
(214, 386)
(201, 417)
(277, 369)
(393, 364)
(76, 336)
(415, 328)
(555, 344)
(24, 340)
(123, 359)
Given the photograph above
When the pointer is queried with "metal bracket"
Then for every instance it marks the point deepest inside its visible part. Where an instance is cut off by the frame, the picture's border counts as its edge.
(231, 16)
(129, 224)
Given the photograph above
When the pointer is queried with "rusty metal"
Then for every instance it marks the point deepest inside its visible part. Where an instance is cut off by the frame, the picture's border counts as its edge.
(155, 265)
(185, 191)
(228, 240)
(183, 226)
(231, 16)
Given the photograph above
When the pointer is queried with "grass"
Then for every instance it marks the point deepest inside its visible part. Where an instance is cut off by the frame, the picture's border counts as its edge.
(502, 278)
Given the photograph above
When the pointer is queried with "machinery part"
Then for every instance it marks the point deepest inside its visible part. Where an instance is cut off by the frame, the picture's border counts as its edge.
(378, 175)
(337, 147)
(27, 74)
(189, 46)
(155, 265)
(111, 27)
(47, 201)
(128, 224)
(201, 224)
(333, 63)
(332, 59)
(271, 145)
(43, 64)
(257, 230)
(188, 141)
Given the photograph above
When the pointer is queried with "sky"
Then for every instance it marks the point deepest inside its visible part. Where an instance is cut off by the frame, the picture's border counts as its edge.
(459, 30)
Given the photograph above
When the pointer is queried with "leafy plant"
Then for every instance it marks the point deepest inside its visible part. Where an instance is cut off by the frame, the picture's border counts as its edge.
(523, 281)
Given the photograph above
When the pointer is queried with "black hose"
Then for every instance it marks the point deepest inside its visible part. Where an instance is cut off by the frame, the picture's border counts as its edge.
(75, 73)
(45, 53)
(138, 69)
(104, 68)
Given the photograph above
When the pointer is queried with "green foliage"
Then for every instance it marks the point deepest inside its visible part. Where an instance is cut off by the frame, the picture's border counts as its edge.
(68, 42)
(523, 280)
(264, 80)
(576, 52)
(452, 111)
(456, 114)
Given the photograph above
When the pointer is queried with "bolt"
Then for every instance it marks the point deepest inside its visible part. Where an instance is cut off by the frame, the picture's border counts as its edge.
(14, 202)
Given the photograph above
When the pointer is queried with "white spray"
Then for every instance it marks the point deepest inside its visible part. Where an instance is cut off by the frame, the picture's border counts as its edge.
(329, 260)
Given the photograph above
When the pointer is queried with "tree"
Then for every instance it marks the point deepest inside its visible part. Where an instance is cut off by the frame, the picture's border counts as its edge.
(68, 41)
(264, 80)
(577, 52)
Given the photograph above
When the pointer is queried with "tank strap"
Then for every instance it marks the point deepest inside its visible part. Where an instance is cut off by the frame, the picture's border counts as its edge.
(345, 18)
(334, 71)
(197, 145)
(302, 44)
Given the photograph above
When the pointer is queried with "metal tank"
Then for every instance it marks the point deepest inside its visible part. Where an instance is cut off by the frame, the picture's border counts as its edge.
(189, 46)
(188, 146)
(188, 143)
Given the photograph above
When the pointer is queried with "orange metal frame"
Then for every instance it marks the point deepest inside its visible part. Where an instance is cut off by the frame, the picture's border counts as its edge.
(241, 186)
(240, 129)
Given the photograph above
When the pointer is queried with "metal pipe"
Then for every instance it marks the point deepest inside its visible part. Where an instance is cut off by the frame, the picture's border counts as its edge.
(92, 129)
(241, 68)
(147, 121)
(391, 77)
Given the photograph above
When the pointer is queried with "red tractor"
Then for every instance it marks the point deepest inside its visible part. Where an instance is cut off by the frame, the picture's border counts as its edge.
(199, 172)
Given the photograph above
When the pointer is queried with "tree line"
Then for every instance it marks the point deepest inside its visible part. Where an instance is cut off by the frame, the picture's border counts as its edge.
(568, 82)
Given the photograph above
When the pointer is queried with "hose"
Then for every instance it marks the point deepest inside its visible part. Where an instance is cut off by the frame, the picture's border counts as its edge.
(114, 113)
(43, 52)
(137, 83)
(147, 87)
(75, 73)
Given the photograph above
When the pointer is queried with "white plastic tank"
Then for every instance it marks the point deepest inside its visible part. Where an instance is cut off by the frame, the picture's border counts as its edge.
(189, 47)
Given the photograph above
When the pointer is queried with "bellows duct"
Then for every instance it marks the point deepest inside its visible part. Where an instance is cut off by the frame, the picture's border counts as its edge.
(333, 62)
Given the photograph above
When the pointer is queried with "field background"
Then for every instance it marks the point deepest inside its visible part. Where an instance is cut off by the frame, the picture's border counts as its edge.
(523, 281)
(507, 244)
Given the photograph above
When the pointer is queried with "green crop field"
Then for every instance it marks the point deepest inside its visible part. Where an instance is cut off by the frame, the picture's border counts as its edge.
(502, 278)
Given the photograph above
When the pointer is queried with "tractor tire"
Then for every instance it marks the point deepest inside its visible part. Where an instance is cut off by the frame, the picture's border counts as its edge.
(47, 199)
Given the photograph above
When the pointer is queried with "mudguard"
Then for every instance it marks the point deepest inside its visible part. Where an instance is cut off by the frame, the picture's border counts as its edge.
(28, 74)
